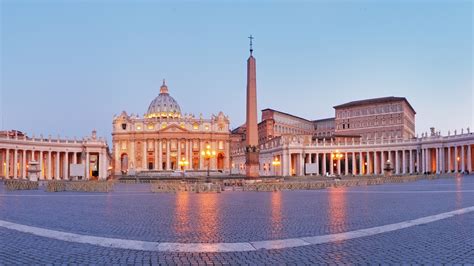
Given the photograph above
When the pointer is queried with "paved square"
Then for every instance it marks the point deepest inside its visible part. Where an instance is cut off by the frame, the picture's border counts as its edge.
(373, 224)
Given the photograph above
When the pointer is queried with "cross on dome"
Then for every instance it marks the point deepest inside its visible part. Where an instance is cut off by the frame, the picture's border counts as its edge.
(164, 88)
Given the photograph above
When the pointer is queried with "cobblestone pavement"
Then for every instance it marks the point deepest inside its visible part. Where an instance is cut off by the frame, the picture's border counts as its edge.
(131, 212)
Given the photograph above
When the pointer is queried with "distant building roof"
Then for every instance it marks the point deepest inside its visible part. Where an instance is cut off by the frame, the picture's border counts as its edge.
(324, 119)
(269, 109)
(375, 101)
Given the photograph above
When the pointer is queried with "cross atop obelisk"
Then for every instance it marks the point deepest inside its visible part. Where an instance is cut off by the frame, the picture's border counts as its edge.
(251, 39)
(252, 154)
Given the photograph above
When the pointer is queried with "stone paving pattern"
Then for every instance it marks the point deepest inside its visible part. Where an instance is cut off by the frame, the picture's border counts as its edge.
(131, 212)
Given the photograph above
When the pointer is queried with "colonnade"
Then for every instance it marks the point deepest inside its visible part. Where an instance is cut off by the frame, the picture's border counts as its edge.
(53, 164)
(456, 158)
(298, 156)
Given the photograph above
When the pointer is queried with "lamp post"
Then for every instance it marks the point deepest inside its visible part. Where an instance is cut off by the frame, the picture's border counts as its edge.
(183, 163)
(208, 153)
(276, 163)
(336, 155)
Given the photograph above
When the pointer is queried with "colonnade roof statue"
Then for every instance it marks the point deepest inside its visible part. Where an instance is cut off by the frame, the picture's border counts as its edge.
(163, 105)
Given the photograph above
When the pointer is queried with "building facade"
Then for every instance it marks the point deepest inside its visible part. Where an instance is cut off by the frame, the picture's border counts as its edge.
(324, 128)
(387, 117)
(55, 156)
(164, 140)
(276, 123)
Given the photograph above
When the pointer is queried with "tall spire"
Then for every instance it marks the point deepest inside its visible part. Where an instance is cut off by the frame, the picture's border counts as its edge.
(164, 88)
(251, 47)
(252, 154)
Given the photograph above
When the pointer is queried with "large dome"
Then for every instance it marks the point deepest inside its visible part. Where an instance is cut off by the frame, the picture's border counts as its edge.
(163, 105)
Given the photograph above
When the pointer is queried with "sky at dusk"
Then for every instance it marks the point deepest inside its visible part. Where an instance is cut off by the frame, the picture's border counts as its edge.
(68, 67)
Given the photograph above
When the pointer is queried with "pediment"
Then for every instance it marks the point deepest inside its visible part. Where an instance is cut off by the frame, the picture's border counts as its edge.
(173, 129)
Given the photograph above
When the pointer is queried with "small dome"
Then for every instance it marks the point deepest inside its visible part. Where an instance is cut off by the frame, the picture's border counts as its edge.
(163, 105)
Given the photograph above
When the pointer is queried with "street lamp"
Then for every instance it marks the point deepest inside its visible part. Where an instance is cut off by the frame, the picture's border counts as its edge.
(183, 162)
(276, 163)
(336, 156)
(208, 154)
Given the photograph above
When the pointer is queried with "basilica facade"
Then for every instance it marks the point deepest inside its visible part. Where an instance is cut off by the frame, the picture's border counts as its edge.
(165, 141)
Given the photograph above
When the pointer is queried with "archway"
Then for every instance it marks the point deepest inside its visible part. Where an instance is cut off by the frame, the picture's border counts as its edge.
(220, 161)
(124, 163)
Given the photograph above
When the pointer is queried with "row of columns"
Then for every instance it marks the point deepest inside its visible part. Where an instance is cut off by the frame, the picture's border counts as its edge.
(53, 164)
(161, 159)
(405, 161)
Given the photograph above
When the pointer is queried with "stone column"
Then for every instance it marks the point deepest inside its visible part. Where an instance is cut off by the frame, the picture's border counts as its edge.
(201, 158)
(463, 161)
(300, 164)
(186, 153)
(397, 162)
(346, 164)
(41, 165)
(382, 161)
(338, 166)
(23, 166)
(369, 168)
(425, 160)
(228, 163)
(101, 166)
(145, 155)
(57, 174)
(361, 164)
(131, 157)
(469, 159)
(191, 152)
(317, 164)
(456, 164)
(50, 172)
(87, 162)
(376, 164)
(390, 158)
(287, 156)
(213, 161)
(178, 158)
(157, 155)
(324, 164)
(450, 163)
(404, 163)
(15, 164)
(441, 160)
(354, 163)
(416, 157)
(66, 166)
(437, 160)
(160, 155)
(7, 163)
(168, 149)
(331, 168)
(412, 162)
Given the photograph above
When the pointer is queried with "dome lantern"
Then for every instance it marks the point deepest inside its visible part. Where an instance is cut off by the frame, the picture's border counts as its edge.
(164, 88)
(163, 106)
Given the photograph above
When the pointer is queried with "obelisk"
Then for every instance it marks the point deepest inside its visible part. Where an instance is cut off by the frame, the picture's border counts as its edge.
(251, 148)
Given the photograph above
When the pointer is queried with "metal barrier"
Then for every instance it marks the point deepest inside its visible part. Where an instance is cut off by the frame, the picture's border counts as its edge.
(20, 185)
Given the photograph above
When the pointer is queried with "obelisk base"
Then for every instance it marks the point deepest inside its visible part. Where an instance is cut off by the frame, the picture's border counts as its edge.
(252, 166)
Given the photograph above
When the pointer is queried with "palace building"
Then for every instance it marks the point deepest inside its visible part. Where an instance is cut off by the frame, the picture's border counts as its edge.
(386, 117)
(165, 140)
